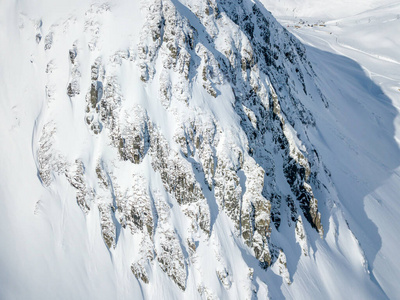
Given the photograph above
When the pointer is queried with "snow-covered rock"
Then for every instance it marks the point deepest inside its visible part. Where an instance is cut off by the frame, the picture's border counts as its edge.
(185, 133)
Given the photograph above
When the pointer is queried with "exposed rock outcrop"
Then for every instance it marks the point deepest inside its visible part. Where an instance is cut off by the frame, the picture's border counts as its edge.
(235, 129)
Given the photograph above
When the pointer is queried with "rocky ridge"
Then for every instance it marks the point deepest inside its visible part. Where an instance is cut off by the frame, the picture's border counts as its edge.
(255, 165)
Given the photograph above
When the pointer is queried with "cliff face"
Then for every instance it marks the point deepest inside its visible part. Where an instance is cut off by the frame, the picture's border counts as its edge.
(208, 104)
(182, 126)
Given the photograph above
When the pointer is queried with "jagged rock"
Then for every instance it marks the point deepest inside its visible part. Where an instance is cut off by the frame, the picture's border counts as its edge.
(199, 138)
(168, 249)
(228, 191)
(93, 98)
(72, 55)
(134, 141)
(49, 160)
(102, 176)
(256, 211)
(292, 213)
(179, 180)
(223, 277)
(140, 272)
(192, 246)
(108, 230)
(84, 193)
(210, 67)
(136, 209)
(73, 88)
(301, 237)
(282, 268)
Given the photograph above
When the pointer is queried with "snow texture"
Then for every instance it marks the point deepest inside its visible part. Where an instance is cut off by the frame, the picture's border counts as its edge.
(176, 149)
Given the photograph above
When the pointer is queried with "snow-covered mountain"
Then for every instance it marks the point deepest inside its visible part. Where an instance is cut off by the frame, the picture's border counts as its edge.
(324, 9)
(194, 149)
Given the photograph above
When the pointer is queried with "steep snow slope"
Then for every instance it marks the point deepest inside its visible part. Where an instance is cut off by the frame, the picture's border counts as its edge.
(371, 39)
(176, 149)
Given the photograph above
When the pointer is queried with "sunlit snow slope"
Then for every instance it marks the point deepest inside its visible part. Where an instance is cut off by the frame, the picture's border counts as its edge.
(178, 149)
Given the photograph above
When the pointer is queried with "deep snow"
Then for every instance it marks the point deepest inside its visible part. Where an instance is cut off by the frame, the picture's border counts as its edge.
(50, 249)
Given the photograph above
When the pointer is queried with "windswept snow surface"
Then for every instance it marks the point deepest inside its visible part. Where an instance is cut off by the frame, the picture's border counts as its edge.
(50, 249)
(349, 43)
(324, 9)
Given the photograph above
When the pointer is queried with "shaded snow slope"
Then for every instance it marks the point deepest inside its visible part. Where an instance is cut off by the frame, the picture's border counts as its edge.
(181, 149)
(369, 38)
